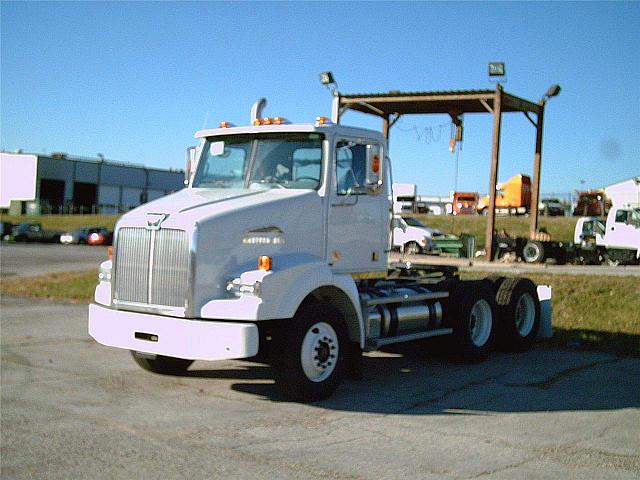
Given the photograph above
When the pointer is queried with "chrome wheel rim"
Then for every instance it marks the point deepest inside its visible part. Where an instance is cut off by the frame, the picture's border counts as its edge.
(525, 314)
(480, 323)
(531, 252)
(319, 352)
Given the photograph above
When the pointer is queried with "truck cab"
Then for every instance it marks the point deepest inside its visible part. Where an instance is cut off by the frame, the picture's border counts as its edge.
(278, 247)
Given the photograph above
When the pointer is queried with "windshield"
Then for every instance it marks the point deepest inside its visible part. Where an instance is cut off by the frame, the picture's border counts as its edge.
(412, 222)
(261, 161)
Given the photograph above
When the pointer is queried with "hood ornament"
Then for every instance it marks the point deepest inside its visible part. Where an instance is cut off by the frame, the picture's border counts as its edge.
(154, 220)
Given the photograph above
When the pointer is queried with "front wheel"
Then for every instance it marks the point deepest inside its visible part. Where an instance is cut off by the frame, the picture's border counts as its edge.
(412, 248)
(310, 364)
(161, 364)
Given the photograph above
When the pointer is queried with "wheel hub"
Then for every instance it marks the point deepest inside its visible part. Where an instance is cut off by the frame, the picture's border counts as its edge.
(319, 352)
(480, 323)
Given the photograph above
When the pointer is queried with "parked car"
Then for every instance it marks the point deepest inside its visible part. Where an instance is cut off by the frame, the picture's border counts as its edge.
(551, 207)
(411, 236)
(5, 230)
(33, 232)
(100, 236)
(78, 236)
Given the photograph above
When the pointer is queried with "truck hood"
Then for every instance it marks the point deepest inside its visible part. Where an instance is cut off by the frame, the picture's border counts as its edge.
(193, 198)
(197, 206)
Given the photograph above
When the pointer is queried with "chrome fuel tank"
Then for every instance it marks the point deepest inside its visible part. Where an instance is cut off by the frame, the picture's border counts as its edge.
(394, 311)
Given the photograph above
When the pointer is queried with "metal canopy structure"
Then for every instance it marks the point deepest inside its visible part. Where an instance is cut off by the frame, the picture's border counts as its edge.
(392, 105)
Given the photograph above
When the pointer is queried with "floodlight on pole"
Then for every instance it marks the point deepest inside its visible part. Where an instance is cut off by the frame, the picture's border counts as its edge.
(497, 69)
(326, 78)
(553, 91)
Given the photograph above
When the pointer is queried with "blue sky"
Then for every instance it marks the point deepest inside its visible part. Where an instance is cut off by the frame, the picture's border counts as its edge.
(134, 81)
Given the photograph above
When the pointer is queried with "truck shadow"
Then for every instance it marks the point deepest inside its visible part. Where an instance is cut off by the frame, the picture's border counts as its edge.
(409, 380)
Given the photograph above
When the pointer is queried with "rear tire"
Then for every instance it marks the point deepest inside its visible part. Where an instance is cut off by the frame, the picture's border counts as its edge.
(518, 314)
(494, 281)
(472, 307)
(533, 252)
(310, 363)
(162, 365)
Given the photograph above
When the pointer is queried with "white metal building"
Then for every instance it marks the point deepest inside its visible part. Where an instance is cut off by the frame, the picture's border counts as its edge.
(625, 193)
(59, 183)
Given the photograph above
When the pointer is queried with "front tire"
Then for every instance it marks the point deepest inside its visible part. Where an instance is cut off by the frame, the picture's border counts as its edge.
(310, 364)
(412, 248)
(161, 364)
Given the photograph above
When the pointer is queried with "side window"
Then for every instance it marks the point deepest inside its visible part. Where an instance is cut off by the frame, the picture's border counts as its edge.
(350, 168)
(621, 216)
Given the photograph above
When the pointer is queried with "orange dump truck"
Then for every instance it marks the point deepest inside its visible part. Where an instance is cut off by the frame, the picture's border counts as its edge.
(512, 196)
(464, 203)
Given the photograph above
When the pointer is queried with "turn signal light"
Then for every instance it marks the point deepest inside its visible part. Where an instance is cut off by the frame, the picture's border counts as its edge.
(110, 252)
(264, 262)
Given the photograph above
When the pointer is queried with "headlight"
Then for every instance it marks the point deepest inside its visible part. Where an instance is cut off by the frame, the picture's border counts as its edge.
(238, 288)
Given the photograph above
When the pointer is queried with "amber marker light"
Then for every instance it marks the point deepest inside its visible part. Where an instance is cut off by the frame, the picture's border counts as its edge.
(264, 262)
(110, 252)
(376, 164)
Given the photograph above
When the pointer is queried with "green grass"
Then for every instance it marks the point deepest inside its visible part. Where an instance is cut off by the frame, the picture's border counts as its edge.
(75, 287)
(64, 223)
(560, 228)
(597, 313)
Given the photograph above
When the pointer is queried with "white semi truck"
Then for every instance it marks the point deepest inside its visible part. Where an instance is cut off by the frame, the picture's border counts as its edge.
(277, 251)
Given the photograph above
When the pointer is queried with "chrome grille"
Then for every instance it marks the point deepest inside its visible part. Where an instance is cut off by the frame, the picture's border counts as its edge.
(170, 274)
(152, 266)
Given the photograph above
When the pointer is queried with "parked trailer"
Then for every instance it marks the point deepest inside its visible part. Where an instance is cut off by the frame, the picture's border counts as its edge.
(278, 250)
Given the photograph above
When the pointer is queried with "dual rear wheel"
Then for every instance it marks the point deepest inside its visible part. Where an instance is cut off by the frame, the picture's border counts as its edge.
(495, 312)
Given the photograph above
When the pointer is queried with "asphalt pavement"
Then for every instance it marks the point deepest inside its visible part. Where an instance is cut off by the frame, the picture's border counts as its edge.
(29, 259)
(74, 409)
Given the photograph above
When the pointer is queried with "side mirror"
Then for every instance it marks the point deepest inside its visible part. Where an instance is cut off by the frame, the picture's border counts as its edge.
(373, 179)
(190, 166)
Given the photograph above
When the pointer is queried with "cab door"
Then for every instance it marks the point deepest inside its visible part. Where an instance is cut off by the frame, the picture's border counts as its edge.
(621, 232)
(359, 217)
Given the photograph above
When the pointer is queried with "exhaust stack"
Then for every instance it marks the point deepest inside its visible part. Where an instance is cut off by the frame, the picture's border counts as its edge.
(256, 110)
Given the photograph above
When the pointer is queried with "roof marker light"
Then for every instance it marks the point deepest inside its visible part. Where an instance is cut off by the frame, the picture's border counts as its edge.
(322, 121)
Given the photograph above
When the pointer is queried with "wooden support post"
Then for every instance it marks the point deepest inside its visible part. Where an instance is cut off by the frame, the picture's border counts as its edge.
(493, 177)
(385, 127)
(537, 164)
